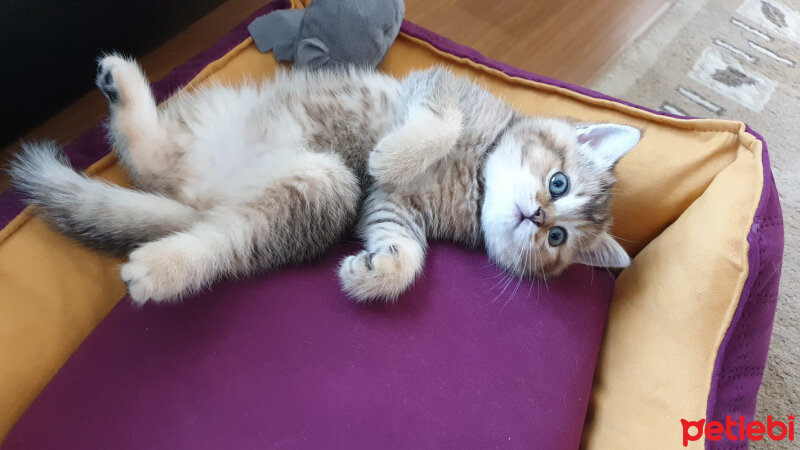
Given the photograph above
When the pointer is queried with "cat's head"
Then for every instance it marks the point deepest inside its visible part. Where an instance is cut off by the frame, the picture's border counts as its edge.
(548, 196)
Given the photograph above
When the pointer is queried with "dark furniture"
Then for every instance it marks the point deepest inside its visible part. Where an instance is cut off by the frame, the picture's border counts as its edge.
(48, 48)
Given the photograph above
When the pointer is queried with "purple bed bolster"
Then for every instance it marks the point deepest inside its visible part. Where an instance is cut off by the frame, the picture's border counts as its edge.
(742, 355)
(285, 361)
(214, 373)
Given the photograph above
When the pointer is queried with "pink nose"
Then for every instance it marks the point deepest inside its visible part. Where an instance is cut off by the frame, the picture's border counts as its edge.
(538, 217)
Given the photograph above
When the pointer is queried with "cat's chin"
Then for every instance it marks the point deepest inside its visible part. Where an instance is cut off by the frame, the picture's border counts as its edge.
(525, 225)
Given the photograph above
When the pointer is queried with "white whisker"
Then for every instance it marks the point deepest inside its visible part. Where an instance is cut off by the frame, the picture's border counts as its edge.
(623, 240)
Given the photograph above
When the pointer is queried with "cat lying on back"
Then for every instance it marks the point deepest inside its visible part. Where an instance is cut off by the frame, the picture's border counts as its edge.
(236, 180)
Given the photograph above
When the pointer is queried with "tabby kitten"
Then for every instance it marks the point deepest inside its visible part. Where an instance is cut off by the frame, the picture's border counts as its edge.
(236, 180)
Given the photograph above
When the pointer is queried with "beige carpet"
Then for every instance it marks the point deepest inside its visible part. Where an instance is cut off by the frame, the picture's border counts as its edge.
(735, 59)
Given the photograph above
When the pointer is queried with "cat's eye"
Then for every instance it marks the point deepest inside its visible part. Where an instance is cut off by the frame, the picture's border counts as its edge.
(557, 236)
(559, 184)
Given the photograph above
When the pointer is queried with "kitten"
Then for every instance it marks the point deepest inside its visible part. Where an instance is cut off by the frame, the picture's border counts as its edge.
(232, 181)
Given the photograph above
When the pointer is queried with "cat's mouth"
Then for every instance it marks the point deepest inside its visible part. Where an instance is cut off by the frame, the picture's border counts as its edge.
(537, 218)
(520, 214)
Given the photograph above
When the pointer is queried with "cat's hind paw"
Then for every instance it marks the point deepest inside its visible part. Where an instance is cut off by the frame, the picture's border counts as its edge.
(120, 79)
(158, 271)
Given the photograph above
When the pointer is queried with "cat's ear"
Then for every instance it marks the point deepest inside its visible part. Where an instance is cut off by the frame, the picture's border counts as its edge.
(311, 52)
(607, 142)
(607, 253)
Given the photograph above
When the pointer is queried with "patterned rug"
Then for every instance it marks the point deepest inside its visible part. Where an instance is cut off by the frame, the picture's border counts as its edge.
(740, 60)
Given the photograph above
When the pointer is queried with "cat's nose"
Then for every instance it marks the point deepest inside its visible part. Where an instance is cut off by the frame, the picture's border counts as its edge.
(538, 217)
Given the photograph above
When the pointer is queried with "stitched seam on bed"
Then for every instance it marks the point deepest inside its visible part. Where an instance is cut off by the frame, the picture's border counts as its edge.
(686, 124)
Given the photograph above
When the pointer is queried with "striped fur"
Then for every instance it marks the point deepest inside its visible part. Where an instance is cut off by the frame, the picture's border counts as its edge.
(232, 181)
(463, 166)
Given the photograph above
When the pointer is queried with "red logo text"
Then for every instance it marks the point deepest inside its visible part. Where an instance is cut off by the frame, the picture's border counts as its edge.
(738, 430)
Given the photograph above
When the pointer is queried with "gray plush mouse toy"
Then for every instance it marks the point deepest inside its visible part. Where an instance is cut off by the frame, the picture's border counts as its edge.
(331, 32)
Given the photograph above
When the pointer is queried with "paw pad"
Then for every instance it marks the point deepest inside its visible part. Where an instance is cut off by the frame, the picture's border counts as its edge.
(105, 82)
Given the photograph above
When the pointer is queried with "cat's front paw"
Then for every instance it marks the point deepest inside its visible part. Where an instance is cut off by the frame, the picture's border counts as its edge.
(407, 152)
(157, 272)
(390, 162)
(381, 275)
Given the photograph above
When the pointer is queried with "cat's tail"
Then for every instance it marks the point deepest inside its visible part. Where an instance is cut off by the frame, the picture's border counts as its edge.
(98, 214)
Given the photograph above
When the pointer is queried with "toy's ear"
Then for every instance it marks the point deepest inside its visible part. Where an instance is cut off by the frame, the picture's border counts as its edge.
(277, 31)
(311, 52)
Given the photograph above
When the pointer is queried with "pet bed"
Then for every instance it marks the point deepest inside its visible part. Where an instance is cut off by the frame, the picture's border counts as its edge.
(284, 360)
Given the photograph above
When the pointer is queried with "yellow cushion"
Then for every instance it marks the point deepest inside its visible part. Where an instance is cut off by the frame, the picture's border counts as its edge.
(684, 205)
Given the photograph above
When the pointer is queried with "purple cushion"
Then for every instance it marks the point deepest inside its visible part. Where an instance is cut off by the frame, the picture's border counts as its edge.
(285, 360)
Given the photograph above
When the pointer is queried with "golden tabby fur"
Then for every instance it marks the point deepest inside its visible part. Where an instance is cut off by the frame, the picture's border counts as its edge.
(236, 180)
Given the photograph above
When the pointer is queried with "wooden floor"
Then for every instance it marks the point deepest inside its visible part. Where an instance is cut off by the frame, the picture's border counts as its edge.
(567, 39)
